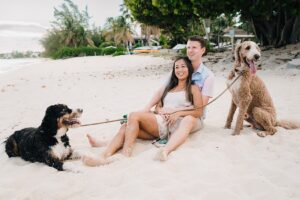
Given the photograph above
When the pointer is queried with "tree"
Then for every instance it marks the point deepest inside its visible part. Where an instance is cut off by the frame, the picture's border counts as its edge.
(118, 30)
(72, 25)
(148, 30)
(275, 22)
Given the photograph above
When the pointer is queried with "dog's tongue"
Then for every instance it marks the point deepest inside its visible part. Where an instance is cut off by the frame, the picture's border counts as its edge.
(252, 67)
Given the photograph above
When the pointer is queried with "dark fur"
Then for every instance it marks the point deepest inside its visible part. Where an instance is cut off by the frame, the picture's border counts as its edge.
(35, 144)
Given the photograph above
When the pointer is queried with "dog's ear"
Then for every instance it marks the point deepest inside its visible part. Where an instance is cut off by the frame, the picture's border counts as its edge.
(237, 53)
(49, 123)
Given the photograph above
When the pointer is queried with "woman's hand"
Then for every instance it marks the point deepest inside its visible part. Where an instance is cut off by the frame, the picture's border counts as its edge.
(165, 111)
(171, 119)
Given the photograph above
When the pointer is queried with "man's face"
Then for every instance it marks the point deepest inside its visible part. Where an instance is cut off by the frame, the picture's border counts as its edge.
(194, 50)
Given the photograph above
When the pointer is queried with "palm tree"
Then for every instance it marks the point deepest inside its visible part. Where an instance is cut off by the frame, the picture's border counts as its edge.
(72, 25)
(119, 30)
(148, 31)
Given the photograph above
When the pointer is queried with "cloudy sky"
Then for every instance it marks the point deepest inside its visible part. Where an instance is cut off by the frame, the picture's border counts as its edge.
(23, 22)
(41, 11)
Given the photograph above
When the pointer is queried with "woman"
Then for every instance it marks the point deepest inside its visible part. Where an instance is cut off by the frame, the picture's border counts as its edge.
(171, 119)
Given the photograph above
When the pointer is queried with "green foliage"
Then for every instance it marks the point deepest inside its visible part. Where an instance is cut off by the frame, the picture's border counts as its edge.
(164, 41)
(108, 51)
(106, 44)
(52, 43)
(275, 22)
(72, 25)
(96, 36)
(69, 29)
(68, 52)
(119, 53)
(18, 54)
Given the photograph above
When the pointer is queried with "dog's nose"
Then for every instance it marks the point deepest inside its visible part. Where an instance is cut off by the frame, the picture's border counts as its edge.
(256, 56)
(79, 110)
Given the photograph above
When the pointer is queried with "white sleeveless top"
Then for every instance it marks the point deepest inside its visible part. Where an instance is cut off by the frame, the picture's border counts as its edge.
(176, 99)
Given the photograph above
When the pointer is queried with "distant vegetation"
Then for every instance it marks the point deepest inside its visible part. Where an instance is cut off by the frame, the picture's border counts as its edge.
(275, 23)
(167, 23)
(71, 35)
(17, 54)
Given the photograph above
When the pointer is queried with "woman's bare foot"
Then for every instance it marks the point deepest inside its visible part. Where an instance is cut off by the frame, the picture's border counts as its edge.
(93, 161)
(95, 143)
(116, 157)
(161, 155)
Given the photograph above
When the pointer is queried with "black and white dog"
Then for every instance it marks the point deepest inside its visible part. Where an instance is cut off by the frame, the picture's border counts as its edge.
(47, 143)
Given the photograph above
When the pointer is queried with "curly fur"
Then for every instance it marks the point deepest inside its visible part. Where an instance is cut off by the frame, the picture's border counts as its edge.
(251, 96)
(47, 143)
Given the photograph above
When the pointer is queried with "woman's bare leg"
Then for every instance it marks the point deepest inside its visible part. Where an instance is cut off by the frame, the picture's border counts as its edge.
(116, 143)
(94, 142)
(178, 137)
(138, 121)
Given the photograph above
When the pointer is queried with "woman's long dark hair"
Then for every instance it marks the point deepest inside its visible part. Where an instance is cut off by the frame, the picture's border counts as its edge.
(174, 81)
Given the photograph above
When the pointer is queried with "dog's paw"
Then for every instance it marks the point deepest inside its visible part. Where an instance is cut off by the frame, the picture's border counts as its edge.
(227, 126)
(76, 155)
(262, 133)
(71, 167)
(235, 133)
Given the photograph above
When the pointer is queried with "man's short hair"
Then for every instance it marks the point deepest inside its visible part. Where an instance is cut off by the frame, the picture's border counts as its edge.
(199, 39)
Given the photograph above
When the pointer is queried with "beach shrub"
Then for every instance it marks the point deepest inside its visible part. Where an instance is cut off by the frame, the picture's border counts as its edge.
(119, 53)
(109, 50)
(106, 44)
(68, 52)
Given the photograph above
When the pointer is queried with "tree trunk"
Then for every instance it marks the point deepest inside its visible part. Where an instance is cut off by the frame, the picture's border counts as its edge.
(280, 30)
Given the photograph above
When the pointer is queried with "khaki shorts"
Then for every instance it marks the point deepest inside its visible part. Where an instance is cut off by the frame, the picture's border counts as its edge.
(164, 130)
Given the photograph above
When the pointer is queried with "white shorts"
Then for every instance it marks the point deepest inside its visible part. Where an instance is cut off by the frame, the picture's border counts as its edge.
(164, 130)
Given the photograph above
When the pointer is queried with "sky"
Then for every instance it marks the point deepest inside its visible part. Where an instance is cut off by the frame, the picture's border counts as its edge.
(41, 11)
(24, 22)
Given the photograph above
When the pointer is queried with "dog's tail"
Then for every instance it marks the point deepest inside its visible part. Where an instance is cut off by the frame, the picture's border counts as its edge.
(11, 147)
(288, 124)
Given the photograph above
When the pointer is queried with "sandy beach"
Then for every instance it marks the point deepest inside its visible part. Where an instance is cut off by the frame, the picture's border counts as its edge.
(211, 165)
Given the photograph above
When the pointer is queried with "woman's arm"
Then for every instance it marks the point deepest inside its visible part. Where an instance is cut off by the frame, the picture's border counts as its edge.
(197, 98)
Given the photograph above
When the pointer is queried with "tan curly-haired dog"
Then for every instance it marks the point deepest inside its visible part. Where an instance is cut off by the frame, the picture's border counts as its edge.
(251, 96)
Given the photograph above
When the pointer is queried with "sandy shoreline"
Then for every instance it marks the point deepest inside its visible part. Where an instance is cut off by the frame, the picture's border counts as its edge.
(212, 164)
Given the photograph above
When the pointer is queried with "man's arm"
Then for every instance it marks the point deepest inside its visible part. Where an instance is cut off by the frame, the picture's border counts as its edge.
(205, 99)
(208, 89)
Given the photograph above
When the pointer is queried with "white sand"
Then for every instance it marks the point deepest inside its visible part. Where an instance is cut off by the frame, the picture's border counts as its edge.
(212, 164)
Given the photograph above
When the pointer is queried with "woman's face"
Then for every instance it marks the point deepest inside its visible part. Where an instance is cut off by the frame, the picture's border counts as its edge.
(181, 70)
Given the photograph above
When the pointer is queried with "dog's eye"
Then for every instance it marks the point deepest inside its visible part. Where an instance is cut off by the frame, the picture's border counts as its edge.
(248, 47)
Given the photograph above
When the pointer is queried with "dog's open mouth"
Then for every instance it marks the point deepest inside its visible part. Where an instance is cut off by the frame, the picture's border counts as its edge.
(71, 121)
(251, 65)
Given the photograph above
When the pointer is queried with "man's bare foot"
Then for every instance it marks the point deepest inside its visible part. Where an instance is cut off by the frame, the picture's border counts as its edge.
(95, 143)
(93, 161)
(161, 155)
